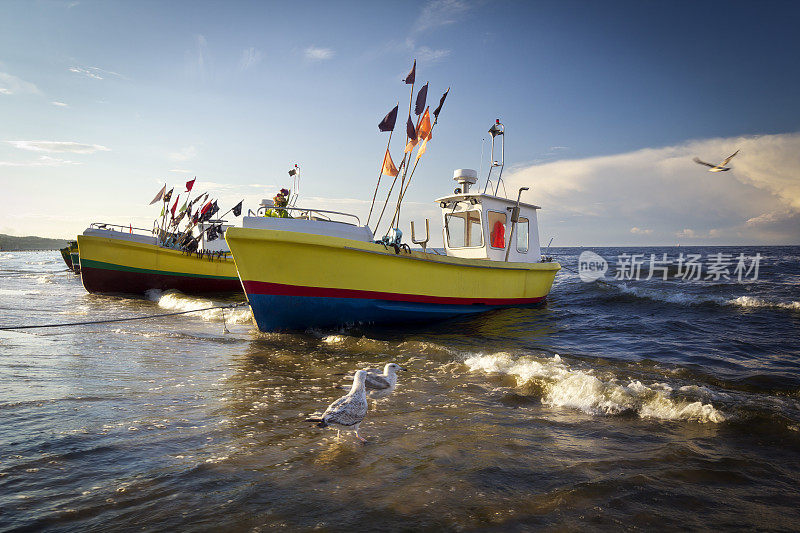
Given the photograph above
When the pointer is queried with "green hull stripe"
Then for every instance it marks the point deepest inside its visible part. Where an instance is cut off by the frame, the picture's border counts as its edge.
(111, 266)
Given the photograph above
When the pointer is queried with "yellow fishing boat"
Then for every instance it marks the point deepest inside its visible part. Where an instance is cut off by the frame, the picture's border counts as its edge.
(117, 261)
(316, 271)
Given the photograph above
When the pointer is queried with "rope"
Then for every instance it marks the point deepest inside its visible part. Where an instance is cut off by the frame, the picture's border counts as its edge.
(144, 317)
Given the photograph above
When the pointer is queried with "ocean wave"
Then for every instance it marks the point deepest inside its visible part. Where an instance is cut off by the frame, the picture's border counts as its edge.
(562, 386)
(177, 301)
(681, 298)
(752, 301)
(19, 292)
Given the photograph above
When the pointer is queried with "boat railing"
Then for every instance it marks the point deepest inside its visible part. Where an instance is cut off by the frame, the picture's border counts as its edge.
(119, 227)
(311, 214)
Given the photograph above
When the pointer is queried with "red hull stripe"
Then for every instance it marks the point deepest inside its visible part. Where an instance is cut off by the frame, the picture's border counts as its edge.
(103, 280)
(279, 289)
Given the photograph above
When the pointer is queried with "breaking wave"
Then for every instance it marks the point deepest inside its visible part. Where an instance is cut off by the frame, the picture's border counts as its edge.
(177, 301)
(681, 298)
(562, 386)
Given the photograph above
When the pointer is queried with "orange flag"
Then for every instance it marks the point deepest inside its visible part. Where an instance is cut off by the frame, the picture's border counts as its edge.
(424, 126)
(388, 165)
(422, 148)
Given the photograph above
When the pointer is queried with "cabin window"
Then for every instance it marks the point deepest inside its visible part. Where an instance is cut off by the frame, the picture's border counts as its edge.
(522, 235)
(464, 229)
(497, 229)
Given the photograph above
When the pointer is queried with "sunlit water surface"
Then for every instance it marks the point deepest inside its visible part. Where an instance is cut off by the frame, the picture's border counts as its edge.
(659, 404)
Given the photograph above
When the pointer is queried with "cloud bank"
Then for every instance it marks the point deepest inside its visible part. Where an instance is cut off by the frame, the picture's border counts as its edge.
(313, 53)
(10, 84)
(660, 196)
(58, 147)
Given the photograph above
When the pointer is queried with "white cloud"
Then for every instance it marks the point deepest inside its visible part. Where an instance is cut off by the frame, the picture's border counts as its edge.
(43, 161)
(641, 231)
(313, 53)
(13, 85)
(598, 200)
(440, 13)
(59, 146)
(86, 72)
(184, 154)
(428, 55)
(96, 73)
(250, 57)
(180, 171)
(60, 104)
(197, 58)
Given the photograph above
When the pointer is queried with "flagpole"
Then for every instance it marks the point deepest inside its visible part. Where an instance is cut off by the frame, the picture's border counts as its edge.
(402, 164)
(219, 219)
(188, 206)
(163, 223)
(402, 192)
(403, 180)
(380, 174)
(378, 223)
(189, 224)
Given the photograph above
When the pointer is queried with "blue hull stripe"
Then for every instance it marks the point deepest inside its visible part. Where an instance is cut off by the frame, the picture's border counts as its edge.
(282, 312)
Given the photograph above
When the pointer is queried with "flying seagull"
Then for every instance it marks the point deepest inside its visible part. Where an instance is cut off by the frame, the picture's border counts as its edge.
(717, 168)
(381, 383)
(349, 410)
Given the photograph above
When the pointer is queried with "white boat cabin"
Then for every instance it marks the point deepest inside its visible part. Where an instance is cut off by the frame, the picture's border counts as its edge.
(218, 244)
(482, 226)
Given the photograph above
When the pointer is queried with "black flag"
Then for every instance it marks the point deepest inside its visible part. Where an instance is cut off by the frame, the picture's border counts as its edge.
(411, 75)
(387, 124)
(168, 196)
(294, 171)
(211, 234)
(441, 103)
(237, 209)
(214, 208)
(411, 131)
(422, 95)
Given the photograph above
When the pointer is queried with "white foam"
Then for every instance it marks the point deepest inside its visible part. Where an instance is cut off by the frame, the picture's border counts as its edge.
(19, 292)
(752, 301)
(583, 390)
(691, 299)
(177, 301)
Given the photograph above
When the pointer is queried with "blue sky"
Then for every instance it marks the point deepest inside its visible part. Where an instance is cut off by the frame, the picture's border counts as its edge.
(102, 102)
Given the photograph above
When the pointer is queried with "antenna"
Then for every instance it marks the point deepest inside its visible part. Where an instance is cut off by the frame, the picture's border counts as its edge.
(497, 130)
(483, 142)
(295, 174)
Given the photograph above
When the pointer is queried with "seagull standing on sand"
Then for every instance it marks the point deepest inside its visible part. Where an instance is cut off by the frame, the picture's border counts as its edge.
(349, 410)
(717, 168)
(381, 383)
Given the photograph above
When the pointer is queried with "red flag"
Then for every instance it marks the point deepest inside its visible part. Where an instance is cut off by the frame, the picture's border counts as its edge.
(424, 126)
(190, 184)
(174, 206)
(388, 168)
(131, 229)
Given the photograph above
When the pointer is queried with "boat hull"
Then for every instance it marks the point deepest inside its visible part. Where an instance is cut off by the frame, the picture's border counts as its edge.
(115, 266)
(318, 281)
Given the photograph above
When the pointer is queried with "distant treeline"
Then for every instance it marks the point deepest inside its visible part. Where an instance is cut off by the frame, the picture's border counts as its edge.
(11, 243)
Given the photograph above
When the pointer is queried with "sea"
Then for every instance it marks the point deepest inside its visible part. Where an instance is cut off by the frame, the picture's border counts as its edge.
(621, 404)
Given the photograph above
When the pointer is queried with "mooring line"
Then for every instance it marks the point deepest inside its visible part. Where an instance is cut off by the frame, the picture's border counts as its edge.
(144, 317)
